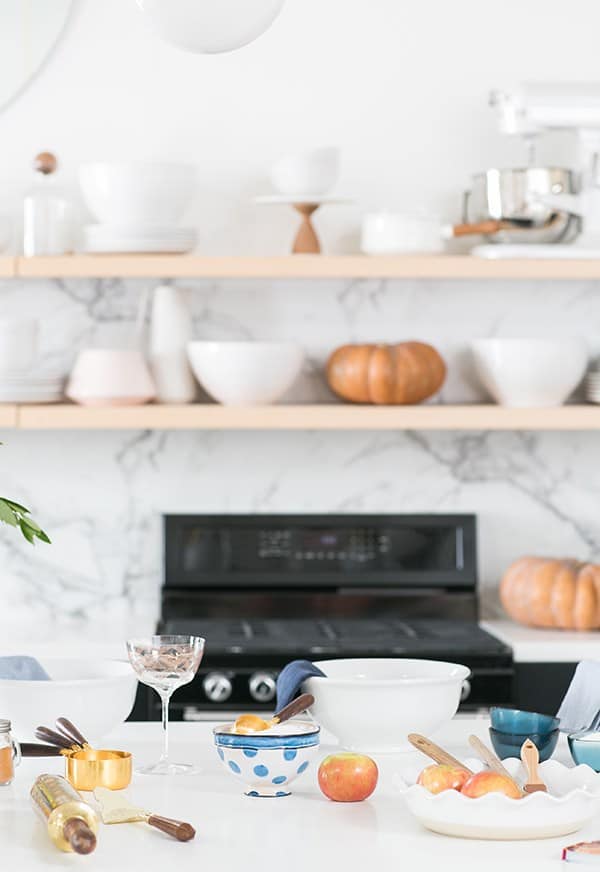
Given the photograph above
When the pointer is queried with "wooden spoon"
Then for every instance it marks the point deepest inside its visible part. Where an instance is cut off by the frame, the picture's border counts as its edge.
(531, 758)
(487, 755)
(247, 724)
(436, 753)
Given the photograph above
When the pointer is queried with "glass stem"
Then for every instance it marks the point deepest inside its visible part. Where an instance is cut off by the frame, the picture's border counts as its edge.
(165, 698)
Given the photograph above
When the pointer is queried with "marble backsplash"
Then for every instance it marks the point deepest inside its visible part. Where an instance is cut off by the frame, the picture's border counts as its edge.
(100, 495)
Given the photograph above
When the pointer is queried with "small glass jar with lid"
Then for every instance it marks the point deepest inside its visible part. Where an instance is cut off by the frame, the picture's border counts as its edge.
(10, 755)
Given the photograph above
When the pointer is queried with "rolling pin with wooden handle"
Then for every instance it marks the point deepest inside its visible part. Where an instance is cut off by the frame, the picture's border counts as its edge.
(436, 753)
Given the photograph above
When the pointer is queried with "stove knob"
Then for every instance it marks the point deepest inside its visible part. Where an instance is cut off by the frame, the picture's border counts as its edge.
(217, 687)
(262, 687)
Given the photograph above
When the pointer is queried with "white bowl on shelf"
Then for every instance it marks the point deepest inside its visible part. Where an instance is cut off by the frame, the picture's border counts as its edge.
(97, 695)
(245, 373)
(530, 372)
(137, 195)
(573, 800)
(313, 172)
(371, 705)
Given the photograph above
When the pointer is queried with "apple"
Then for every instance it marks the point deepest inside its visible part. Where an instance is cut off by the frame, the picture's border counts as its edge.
(490, 782)
(348, 777)
(437, 778)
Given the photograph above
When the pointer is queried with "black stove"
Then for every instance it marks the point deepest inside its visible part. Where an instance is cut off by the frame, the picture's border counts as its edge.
(264, 590)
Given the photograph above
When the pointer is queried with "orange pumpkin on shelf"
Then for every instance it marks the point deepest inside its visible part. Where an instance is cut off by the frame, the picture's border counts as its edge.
(401, 374)
(544, 592)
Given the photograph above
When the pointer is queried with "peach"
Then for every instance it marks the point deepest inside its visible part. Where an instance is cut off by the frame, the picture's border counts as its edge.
(437, 778)
(490, 782)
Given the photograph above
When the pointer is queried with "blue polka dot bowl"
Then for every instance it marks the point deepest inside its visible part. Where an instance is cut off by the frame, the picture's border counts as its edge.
(267, 763)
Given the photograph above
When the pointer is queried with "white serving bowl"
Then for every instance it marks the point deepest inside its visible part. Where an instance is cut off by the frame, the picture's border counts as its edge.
(137, 195)
(573, 800)
(313, 172)
(245, 373)
(530, 372)
(110, 377)
(96, 695)
(371, 705)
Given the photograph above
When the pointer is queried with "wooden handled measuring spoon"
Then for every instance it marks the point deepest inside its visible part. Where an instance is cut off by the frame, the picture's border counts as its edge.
(44, 734)
(487, 755)
(531, 758)
(436, 753)
(255, 724)
(68, 729)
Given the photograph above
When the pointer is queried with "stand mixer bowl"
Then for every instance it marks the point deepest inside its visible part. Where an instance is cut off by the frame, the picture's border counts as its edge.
(516, 195)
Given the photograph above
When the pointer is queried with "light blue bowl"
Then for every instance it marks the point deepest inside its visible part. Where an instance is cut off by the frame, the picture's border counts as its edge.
(510, 744)
(268, 764)
(585, 752)
(509, 720)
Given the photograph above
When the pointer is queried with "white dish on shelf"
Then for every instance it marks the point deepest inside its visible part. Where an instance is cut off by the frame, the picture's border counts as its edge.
(137, 194)
(315, 170)
(301, 200)
(572, 801)
(414, 696)
(106, 239)
(245, 373)
(110, 377)
(536, 252)
(529, 373)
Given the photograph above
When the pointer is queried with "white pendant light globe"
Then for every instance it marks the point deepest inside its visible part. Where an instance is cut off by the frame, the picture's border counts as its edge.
(210, 26)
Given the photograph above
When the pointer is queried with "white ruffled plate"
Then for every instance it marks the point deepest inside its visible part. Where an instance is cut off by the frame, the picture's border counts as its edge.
(573, 799)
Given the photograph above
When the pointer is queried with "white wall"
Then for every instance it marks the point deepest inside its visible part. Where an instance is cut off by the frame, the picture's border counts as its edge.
(400, 85)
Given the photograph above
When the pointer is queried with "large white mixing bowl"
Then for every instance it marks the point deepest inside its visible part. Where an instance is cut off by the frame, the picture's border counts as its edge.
(137, 195)
(96, 695)
(372, 705)
(530, 372)
(245, 373)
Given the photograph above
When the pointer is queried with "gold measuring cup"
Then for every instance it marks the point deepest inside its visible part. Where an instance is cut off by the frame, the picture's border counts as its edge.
(87, 767)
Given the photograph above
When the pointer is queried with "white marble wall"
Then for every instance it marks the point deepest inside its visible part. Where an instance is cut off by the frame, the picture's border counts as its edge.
(100, 495)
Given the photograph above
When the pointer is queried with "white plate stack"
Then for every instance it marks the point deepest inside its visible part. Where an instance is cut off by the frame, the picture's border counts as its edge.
(35, 387)
(592, 386)
(138, 207)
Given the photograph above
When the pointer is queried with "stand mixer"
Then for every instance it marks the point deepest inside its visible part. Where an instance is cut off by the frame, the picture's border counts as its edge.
(535, 109)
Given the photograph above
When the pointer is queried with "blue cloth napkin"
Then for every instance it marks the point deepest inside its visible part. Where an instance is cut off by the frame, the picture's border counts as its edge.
(21, 668)
(580, 708)
(290, 680)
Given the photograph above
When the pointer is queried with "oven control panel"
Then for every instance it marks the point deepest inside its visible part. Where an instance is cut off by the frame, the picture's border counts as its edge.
(304, 550)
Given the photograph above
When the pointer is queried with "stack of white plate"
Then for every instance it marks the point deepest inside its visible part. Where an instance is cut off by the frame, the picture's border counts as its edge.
(31, 388)
(592, 386)
(106, 239)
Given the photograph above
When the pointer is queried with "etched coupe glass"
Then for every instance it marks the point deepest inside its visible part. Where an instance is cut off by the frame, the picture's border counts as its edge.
(166, 663)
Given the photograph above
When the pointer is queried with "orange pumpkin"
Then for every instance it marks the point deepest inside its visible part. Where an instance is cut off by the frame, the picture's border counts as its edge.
(542, 592)
(402, 374)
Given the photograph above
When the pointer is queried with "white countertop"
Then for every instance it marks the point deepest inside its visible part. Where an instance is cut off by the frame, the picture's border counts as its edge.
(532, 645)
(236, 833)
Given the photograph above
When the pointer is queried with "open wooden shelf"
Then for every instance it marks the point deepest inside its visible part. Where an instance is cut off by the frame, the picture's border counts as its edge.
(297, 267)
(320, 417)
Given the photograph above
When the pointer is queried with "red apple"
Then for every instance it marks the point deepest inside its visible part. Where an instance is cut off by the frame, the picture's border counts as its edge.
(490, 782)
(348, 777)
(438, 778)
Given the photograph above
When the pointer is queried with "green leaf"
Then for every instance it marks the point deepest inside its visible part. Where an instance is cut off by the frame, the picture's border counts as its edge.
(16, 506)
(29, 534)
(7, 515)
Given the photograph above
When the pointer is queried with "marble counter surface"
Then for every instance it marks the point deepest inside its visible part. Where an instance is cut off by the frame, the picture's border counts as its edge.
(236, 833)
(531, 645)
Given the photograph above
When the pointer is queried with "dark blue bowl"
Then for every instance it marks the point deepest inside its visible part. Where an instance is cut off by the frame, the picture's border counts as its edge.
(509, 720)
(510, 744)
(587, 751)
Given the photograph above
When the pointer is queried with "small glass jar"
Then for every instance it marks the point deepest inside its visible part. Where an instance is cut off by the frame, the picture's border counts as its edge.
(10, 754)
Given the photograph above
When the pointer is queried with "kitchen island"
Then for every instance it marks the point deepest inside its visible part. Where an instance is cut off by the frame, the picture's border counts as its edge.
(235, 832)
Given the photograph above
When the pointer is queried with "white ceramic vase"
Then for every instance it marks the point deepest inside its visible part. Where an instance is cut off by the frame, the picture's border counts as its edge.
(171, 329)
